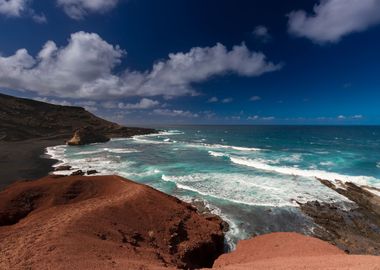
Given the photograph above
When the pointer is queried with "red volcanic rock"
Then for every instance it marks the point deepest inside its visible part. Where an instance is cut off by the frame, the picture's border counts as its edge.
(101, 222)
(289, 251)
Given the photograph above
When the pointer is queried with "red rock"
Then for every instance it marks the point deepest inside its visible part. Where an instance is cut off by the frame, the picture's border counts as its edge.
(101, 222)
(291, 251)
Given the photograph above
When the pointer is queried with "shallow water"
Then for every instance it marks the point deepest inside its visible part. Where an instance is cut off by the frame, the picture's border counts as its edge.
(250, 175)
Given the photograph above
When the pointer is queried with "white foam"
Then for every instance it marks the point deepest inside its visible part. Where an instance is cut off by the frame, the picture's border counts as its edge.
(327, 163)
(254, 190)
(331, 176)
(217, 154)
(222, 146)
(108, 150)
(238, 148)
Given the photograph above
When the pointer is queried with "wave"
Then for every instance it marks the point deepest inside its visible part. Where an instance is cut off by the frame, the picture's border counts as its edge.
(238, 148)
(223, 146)
(254, 190)
(217, 154)
(331, 176)
(146, 141)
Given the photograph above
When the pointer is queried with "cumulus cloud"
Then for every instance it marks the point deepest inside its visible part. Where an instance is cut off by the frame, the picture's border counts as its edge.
(261, 32)
(13, 8)
(175, 113)
(84, 68)
(334, 19)
(143, 104)
(78, 9)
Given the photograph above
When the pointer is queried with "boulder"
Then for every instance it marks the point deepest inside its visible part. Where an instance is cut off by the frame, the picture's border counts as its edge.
(79, 172)
(90, 172)
(63, 168)
(87, 135)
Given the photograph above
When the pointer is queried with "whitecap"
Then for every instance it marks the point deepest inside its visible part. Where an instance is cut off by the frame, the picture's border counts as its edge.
(313, 173)
(254, 190)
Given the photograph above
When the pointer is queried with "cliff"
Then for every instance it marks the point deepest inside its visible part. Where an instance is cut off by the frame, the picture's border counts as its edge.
(22, 119)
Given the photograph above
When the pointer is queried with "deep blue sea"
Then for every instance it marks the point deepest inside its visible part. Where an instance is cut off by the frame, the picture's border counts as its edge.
(250, 175)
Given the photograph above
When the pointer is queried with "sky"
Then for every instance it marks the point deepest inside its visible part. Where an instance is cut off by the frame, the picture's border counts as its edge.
(144, 62)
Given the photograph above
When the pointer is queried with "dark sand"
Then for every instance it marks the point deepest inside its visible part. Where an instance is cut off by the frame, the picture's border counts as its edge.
(24, 160)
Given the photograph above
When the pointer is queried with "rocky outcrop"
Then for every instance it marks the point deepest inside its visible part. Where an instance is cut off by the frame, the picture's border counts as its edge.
(87, 135)
(102, 222)
(291, 251)
(22, 119)
(355, 228)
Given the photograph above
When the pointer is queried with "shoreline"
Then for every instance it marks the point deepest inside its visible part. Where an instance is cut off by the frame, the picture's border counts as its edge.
(24, 160)
(29, 156)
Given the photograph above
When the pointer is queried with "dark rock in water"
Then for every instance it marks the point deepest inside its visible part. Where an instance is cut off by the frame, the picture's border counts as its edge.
(79, 172)
(63, 168)
(356, 229)
(90, 172)
(87, 135)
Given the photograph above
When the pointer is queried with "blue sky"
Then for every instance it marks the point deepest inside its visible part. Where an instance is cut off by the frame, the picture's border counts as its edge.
(196, 61)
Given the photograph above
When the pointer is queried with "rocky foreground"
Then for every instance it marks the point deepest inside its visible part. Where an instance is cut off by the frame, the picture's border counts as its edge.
(107, 222)
(291, 251)
(355, 228)
(102, 222)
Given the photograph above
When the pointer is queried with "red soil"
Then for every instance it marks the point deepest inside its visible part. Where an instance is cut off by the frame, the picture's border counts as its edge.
(291, 251)
(101, 222)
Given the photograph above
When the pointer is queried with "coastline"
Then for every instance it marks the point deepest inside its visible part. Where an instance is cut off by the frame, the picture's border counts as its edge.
(24, 160)
(30, 153)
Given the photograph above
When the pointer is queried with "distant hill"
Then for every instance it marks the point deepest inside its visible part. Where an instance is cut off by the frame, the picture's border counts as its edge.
(22, 119)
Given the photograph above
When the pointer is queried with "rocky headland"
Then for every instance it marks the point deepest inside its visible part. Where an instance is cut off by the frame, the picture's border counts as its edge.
(27, 127)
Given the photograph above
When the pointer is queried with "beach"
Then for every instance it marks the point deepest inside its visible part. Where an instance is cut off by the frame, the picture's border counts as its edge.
(24, 160)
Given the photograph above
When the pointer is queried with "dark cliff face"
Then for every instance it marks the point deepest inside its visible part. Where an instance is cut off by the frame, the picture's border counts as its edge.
(22, 119)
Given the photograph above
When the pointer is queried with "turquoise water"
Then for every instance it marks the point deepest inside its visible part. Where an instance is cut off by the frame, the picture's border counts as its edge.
(250, 175)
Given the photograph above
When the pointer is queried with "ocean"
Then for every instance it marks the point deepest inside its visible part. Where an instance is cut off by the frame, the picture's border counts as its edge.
(252, 176)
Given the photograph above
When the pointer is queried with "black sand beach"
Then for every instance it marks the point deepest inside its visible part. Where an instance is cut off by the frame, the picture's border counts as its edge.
(24, 160)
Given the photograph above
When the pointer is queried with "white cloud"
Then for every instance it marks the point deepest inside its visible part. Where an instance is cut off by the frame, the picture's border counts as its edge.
(38, 18)
(334, 19)
(213, 100)
(13, 8)
(354, 117)
(175, 113)
(143, 104)
(84, 69)
(254, 117)
(261, 32)
(78, 9)
(255, 98)
(264, 118)
(227, 100)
